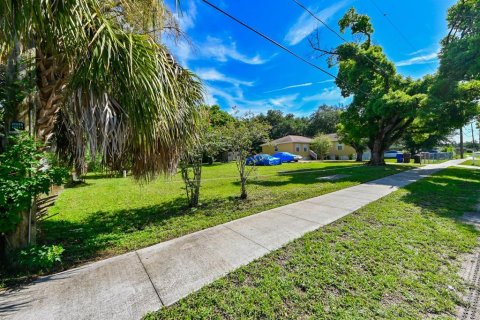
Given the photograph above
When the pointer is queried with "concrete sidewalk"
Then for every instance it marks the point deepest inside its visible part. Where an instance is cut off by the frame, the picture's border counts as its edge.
(468, 167)
(130, 285)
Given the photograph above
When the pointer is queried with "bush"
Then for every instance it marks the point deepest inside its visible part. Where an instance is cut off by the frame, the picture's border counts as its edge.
(321, 145)
(24, 174)
(39, 258)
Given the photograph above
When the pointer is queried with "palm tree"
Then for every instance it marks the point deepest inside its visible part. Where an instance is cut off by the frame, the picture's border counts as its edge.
(103, 82)
(118, 88)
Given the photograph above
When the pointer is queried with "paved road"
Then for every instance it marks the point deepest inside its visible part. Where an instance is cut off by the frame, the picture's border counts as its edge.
(130, 285)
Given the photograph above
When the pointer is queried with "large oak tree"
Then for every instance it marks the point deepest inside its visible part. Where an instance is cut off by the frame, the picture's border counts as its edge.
(384, 104)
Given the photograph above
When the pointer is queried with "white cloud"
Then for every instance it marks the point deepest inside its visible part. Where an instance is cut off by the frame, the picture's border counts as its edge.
(182, 50)
(235, 98)
(212, 48)
(284, 101)
(306, 84)
(210, 74)
(306, 24)
(424, 59)
(215, 48)
(186, 18)
(419, 51)
(328, 95)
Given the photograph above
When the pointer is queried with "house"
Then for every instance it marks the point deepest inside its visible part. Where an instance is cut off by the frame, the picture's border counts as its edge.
(340, 151)
(301, 146)
(293, 144)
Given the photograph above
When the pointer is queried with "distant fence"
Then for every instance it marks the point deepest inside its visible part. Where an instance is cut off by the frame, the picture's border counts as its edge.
(435, 156)
(475, 157)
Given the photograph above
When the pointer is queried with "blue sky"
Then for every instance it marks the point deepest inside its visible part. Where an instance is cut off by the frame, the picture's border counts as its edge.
(242, 70)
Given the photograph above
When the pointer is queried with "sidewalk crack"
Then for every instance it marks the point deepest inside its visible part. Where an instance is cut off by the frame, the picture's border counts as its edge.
(150, 279)
(249, 239)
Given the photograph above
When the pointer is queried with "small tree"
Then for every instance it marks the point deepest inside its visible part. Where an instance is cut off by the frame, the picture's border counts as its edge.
(208, 145)
(191, 169)
(242, 137)
(321, 145)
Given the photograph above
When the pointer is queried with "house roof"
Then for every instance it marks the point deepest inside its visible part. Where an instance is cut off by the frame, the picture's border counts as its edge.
(289, 139)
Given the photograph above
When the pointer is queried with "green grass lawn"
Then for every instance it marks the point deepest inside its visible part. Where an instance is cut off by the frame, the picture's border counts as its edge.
(470, 163)
(108, 216)
(396, 258)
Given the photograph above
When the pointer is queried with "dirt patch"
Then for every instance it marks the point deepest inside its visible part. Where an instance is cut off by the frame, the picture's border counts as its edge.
(334, 177)
(470, 273)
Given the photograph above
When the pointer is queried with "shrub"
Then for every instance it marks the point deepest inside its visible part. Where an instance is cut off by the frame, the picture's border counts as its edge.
(24, 174)
(321, 145)
(39, 258)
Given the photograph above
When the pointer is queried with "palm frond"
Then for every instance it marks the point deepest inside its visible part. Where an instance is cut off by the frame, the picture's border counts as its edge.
(123, 95)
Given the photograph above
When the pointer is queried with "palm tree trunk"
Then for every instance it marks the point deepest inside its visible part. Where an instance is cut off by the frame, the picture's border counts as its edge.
(51, 79)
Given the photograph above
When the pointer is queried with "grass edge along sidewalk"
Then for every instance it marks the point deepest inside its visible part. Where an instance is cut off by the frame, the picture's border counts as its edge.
(93, 222)
(396, 258)
(106, 217)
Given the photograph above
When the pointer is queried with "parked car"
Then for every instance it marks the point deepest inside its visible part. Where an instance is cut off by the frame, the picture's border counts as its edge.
(263, 160)
(287, 156)
(391, 154)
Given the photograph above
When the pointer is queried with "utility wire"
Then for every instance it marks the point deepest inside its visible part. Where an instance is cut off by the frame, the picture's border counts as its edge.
(402, 35)
(274, 42)
(331, 29)
(320, 20)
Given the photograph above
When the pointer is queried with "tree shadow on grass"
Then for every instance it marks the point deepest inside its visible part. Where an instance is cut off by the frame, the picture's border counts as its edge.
(94, 237)
(86, 239)
(355, 174)
(449, 193)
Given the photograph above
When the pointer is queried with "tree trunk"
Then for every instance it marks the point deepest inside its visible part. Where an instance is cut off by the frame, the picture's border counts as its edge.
(51, 79)
(359, 156)
(243, 194)
(377, 153)
(25, 232)
(197, 176)
(461, 143)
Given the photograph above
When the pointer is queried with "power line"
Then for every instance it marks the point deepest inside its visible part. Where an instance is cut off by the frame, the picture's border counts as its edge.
(402, 35)
(332, 30)
(278, 44)
(320, 20)
(271, 40)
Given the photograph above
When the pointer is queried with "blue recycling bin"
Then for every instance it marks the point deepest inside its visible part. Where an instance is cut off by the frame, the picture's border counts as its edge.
(399, 158)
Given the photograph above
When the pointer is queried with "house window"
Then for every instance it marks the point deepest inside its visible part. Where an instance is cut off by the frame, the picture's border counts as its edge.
(339, 147)
(276, 148)
(297, 147)
(305, 147)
